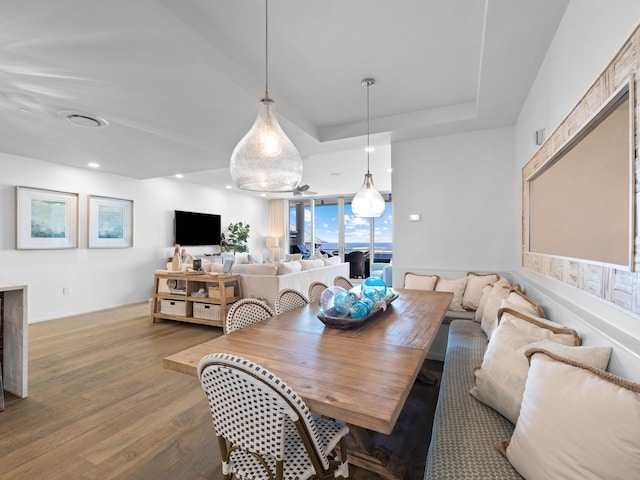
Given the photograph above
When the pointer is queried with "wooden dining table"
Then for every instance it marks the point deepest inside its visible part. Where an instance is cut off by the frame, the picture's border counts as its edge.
(361, 376)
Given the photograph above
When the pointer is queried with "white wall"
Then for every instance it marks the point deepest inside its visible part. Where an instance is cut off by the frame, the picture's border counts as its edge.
(105, 278)
(462, 186)
(589, 35)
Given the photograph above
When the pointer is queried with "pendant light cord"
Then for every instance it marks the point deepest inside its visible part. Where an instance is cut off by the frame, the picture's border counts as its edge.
(368, 147)
(266, 48)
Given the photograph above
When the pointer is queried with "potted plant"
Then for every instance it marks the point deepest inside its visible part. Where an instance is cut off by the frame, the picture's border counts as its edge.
(236, 238)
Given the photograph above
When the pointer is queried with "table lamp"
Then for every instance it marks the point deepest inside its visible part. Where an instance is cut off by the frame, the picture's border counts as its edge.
(273, 243)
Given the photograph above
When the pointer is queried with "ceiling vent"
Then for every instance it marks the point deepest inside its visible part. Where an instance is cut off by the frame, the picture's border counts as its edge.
(84, 120)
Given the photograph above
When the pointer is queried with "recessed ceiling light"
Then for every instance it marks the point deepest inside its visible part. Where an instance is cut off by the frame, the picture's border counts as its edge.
(84, 119)
(229, 187)
(93, 165)
(179, 175)
(370, 149)
(389, 170)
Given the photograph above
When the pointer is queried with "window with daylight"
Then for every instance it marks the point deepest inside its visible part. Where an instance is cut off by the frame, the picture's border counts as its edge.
(335, 229)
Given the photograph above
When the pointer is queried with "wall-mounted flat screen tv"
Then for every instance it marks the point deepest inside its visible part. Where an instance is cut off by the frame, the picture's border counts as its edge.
(194, 228)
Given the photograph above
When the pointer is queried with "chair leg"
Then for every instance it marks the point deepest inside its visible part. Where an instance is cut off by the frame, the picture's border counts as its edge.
(224, 455)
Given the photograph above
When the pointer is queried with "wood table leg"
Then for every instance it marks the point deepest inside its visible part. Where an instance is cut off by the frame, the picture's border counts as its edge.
(364, 453)
(426, 376)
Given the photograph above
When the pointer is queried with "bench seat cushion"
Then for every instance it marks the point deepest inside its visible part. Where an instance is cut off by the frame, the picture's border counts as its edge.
(465, 431)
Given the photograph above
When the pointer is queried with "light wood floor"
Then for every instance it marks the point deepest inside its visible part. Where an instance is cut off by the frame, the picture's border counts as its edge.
(101, 406)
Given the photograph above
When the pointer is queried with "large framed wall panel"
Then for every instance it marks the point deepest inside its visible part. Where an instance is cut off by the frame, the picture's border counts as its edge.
(618, 285)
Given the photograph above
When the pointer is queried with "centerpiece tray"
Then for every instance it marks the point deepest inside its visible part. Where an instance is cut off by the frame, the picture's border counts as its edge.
(345, 323)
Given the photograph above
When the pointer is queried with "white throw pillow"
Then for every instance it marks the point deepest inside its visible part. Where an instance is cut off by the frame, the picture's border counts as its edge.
(501, 379)
(519, 301)
(596, 356)
(290, 257)
(309, 264)
(331, 260)
(576, 423)
(483, 299)
(241, 258)
(475, 283)
(415, 281)
(289, 267)
(530, 322)
(255, 269)
(255, 258)
(457, 287)
(213, 267)
(499, 292)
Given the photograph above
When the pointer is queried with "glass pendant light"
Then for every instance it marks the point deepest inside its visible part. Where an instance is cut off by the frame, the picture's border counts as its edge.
(265, 160)
(368, 202)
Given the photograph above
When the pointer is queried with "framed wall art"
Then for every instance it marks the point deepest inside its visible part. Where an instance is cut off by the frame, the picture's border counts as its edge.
(46, 219)
(110, 222)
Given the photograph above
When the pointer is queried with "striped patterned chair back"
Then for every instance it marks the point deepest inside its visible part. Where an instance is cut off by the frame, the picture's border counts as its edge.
(264, 429)
(245, 312)
(289, 299)
(315, 290)
(342, 282)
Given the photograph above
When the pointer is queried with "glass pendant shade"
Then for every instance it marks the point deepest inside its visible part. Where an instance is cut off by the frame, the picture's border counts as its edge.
(265, 160)
(368, 202)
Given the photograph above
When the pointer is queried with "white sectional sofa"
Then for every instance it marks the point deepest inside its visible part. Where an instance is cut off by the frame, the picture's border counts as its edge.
(264, 281)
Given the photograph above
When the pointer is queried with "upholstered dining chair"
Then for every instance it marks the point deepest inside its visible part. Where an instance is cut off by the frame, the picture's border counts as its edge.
(343, 282)
(315, 290)
(264, 429)
(356, 263)
(288, 299)
(245, 312)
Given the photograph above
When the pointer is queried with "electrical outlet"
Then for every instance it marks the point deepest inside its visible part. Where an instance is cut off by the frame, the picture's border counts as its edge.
(65, 290)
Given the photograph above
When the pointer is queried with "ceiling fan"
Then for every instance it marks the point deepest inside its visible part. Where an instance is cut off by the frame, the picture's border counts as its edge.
(302, 190)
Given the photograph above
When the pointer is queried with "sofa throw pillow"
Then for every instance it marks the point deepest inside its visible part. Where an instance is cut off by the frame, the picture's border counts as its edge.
(290, 257)
(309, 264)
(256, 269)
(528, 323)
(455, 286)
(241, 258)
(519, 301)
(415, 281)
(576, 422)
(473, 291)
(255, 258)
(596, 356)
(500, 291)
(477, 315)
(212, 267)
(289, 267)
(332, 260)
(500, 381)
